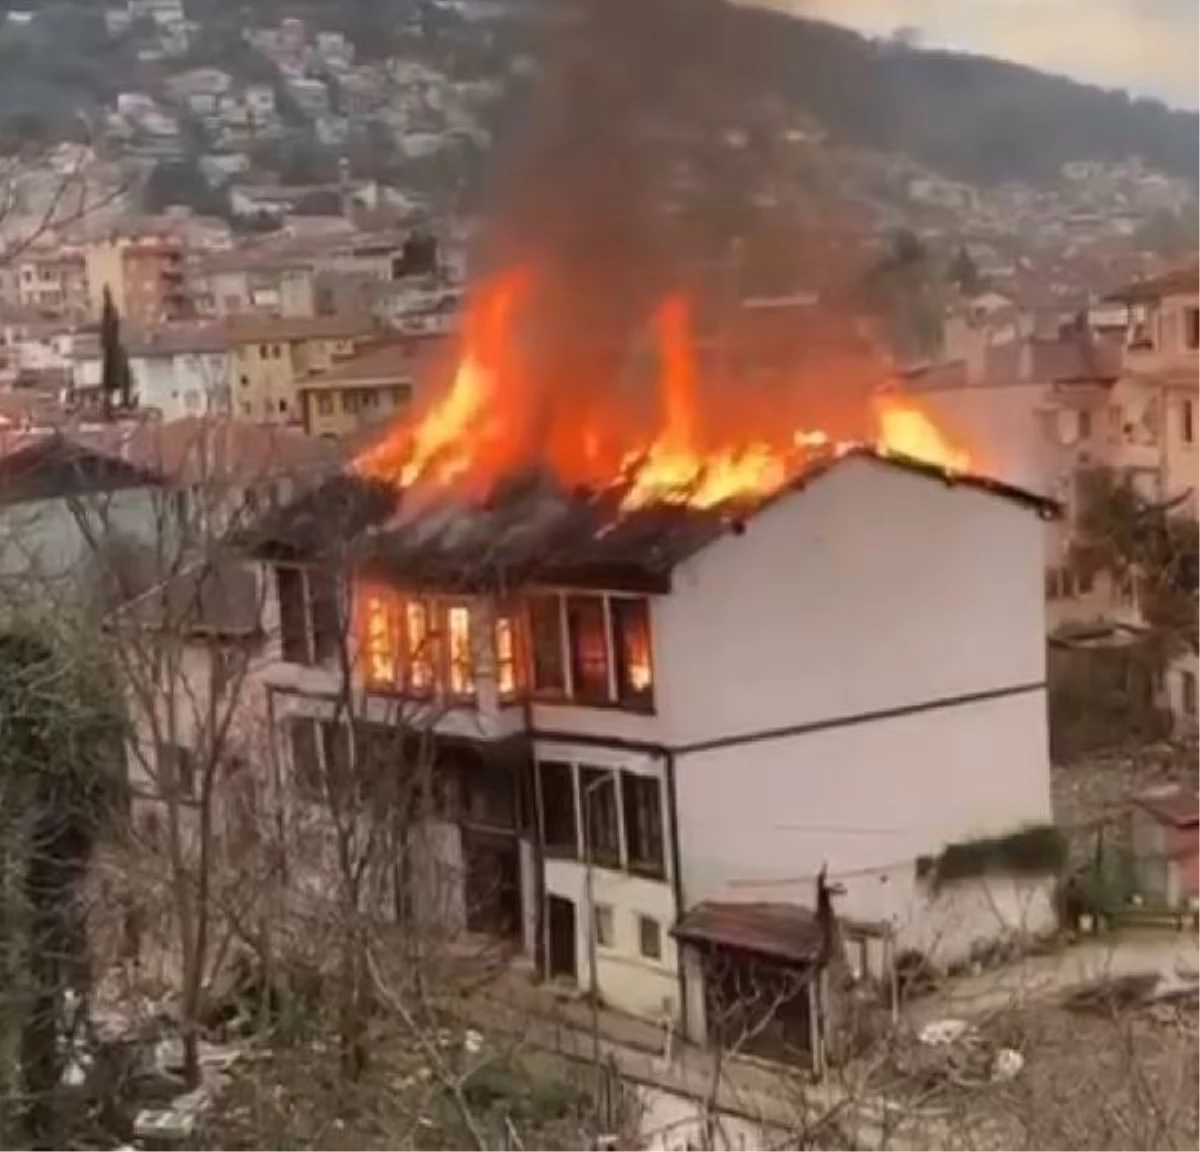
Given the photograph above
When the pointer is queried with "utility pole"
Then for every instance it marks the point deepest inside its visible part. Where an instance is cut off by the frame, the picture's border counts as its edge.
(609, 778)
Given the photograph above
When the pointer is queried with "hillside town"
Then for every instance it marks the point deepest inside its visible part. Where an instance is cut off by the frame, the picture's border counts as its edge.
(580, 664)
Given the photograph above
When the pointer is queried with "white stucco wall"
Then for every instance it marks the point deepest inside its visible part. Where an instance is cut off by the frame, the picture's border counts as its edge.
(187, 384)
(872, 590)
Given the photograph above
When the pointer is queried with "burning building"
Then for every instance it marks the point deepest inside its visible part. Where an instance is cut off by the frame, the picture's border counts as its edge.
(670, 686)
(682, 643)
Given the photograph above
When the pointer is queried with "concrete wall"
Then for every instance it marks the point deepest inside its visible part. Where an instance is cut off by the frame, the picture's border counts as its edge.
(873, 590)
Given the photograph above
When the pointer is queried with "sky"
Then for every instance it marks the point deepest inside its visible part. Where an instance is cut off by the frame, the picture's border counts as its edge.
(1146, 46)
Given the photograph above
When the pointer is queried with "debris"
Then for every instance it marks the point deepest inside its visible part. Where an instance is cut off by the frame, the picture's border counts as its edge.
(473, 1042)
(1006, 1065)
(176, 1123)
(947, 1031)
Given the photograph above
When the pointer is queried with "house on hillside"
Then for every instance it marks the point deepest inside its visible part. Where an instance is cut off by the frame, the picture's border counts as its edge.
(365, 389)
(181, 370)
(655, 729)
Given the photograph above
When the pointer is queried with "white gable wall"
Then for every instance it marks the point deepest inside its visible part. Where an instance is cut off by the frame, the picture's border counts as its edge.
(872, 590)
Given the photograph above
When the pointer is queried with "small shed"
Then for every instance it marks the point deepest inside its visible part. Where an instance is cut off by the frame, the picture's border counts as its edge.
(1165, 833)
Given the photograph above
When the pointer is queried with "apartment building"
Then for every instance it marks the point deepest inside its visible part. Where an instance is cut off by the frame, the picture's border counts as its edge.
(143, 273)
(274, 356)
(655, 729)
(367, 388)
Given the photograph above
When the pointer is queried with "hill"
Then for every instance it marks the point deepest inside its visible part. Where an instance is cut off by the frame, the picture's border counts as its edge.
(969, 117)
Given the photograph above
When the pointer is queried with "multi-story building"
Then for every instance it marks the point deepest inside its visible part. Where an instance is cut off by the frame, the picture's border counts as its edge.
(237, 282)
(274, 356)
(143, 272)
(373, 385)
(181, 370)
(655, 729)
(53, 279)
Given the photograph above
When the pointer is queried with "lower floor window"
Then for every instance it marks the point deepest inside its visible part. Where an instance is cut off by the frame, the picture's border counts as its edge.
(649, 938)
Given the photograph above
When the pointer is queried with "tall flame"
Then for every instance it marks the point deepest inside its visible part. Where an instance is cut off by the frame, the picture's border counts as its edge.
(481, 427)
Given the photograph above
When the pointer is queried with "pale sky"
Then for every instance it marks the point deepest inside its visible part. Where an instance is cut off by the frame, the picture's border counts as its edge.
(1146, 46)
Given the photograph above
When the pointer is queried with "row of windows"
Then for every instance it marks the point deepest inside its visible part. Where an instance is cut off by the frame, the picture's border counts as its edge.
(591, 648)
(594, 649)
(610, 817)
(361, 399)
(649, 932)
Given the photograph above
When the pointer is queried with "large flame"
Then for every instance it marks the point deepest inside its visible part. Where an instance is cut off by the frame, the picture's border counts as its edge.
(484, 425)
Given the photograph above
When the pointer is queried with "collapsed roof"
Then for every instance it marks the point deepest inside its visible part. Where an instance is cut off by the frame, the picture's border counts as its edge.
(531, 530)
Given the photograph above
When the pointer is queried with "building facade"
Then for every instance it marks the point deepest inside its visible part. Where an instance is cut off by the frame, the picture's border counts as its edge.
(703, 718)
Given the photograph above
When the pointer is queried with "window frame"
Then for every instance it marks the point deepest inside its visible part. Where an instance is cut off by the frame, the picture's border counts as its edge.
(600, 811)
(558, 849)
(652, 866)
(554, 604)
(644, 922)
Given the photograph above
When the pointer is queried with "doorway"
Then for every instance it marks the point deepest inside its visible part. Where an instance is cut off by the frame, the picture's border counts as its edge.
(493, 884)
(560, 935)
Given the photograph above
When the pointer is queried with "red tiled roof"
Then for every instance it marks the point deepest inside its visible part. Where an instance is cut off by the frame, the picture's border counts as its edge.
(195, 449)
(1177, 804)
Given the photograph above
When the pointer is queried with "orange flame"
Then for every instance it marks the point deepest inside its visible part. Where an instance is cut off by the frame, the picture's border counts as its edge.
(484, 426)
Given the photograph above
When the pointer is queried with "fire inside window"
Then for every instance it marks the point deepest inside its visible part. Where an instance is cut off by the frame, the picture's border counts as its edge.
(458, 627)
(380, 641)
(419, 643)
(506, 657)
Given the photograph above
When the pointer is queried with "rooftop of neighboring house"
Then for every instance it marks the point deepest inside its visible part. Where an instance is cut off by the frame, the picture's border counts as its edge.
(1070, 358)
(530, 530)
(390, 359)
(1180, 281)
(196, 449)
(265, 329)
(178, 339)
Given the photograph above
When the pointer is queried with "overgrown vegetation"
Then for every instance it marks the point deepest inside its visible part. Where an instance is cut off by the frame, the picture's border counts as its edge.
(1037, 850)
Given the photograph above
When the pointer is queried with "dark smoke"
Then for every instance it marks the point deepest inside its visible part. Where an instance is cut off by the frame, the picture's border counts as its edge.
(656, 156)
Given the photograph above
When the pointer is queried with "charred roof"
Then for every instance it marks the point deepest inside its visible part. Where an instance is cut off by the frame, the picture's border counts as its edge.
(530, 530)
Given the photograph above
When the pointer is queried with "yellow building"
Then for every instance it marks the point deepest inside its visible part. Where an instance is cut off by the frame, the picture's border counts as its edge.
(365, 389)
(273, 357)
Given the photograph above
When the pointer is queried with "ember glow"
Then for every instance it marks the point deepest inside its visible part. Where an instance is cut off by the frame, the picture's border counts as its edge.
(488, 423)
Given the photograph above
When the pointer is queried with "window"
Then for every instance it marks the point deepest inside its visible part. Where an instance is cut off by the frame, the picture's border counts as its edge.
(588, 647)
(419, 645)
(1187, 421)
(631, 649)
(177, 768)
(282, 405)
(1187, 691)
(546, 642)
(641, 803)
(349, 401)
(649, 938)
(1085, 424)
(560, 834)
(276, 351)
(461, 673)
(605, 931)
(1191, 328)
(293, 612)
(336, 755)
(598, 802)
(306, 758)
(324, 404)
(264, 351)
(506, 656)
(244, 380)
(1085, 580)
(309, 617)
(379, 631)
